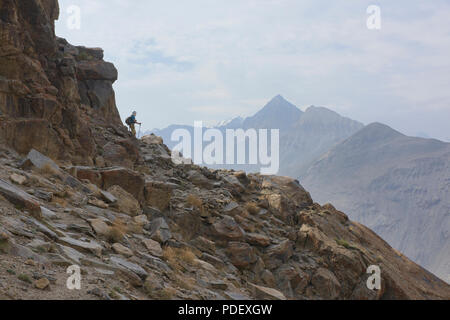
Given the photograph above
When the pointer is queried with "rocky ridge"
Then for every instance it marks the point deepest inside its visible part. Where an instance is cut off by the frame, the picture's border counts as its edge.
(166, 231)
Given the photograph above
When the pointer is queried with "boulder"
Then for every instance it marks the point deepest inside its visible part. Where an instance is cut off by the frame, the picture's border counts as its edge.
(290, 188)
(87, 173)
(86, 246)
(70, 253)
(204, 244)
(97, 203)
(141, 220)
(121, 249)
(257, 239)
(228, 229)
(268, 278)
(96, 70)
(234, 183)
(38, 160)
(241, 254)
(325, 284)
(153, 247)
(95, 53)
(108, 197)
(43, 195)
(17, 179)
(42, 228)
(100, 227)
(217, 262)
(39, 245)
(138, 270)
(292, 279)
(152, 139)
(264, 293)
(118, 155)
(278, 254)
(42, 283)
(130, 181)
(48, 214)
(20, 198)
(232, 208)
(199, 179)
(125, 203)
(159, 230)
(157, 195)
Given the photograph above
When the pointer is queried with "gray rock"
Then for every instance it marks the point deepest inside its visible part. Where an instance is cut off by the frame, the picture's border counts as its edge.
(42, 228)
(48, 214)
(199, 179)
(264, 293)
(46, 196)
(19, 197)
(24, 252)
(155, 262)
(108, 197)
(228, 229)
(218, 285)
(159, 230)
(237, 296)
(90, 246)
(130, 266)
(37, 159)
(39, 245)
(71, 254)
(231, 208)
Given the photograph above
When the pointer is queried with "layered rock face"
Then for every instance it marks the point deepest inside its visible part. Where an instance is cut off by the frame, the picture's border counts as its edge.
(52, 94)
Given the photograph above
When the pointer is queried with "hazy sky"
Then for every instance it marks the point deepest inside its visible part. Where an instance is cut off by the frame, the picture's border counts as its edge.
(181, 61)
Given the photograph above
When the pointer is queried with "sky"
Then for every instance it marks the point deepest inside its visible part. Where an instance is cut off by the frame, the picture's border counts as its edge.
(184, 61)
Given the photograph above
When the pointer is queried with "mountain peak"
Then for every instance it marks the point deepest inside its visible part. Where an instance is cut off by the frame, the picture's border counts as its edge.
(279, 104)
(374, 133)
(321, 110)
(279, 101)
(377, 127)
(278, 113)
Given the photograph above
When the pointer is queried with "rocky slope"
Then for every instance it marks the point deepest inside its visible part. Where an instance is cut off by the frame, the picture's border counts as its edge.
(166, 231)
(139, 226)
(397, 185)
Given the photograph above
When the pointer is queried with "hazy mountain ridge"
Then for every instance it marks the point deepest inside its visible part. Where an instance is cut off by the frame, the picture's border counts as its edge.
(397, 185)
(304, 136)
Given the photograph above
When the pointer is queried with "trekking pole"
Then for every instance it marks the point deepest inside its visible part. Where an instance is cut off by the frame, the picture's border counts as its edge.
(139, 134)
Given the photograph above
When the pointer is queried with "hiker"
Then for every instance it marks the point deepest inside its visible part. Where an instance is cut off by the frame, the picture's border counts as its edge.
(131, 121)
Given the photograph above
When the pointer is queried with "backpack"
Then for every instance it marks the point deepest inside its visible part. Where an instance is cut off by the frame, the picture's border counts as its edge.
(128, 121)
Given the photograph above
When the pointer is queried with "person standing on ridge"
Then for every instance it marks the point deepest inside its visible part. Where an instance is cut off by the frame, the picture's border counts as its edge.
(131, 121)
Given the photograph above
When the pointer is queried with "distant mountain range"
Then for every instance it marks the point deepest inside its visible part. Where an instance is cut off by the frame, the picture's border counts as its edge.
(304, 136)
(397, 185)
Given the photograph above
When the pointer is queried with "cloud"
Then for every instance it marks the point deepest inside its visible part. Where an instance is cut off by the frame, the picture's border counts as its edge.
(189, 60)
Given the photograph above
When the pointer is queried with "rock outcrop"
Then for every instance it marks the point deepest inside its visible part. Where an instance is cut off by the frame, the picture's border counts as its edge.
(55, 97)
(149, 228)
